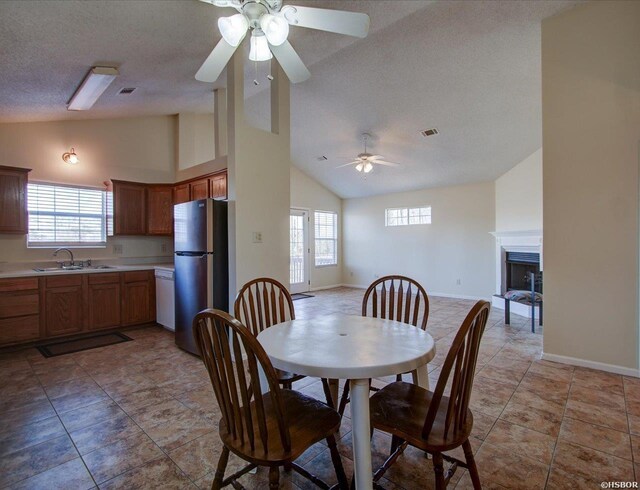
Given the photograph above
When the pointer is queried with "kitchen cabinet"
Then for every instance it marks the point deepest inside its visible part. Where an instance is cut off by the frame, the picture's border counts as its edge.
(138, 297)
(103, 300)
(181, 194)
(19, 310)
(63, 305)
(13, 200)
(218, 186)
(199, 189)
(159, 210)
(129, 208)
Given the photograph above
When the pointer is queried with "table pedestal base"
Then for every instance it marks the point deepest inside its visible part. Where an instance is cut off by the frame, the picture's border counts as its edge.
(361, 434)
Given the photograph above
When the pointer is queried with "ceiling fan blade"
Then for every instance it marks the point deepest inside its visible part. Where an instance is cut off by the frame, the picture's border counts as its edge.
(374, 157)
(290, 62)
(350, 163)
(338, 21)
(388, 164)
(216, 61)
(223, 3)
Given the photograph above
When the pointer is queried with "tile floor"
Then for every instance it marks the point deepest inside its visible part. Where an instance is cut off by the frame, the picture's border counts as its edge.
(142, 414)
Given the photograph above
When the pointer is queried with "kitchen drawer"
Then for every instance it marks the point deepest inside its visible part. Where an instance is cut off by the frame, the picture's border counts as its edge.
(21, 329)
(64, 281)
(136, 276)
(104, 278)
(18, 284)
(19, 303)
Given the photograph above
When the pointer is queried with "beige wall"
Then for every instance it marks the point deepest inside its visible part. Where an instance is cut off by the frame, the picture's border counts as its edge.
(196, 139)
(139, 149)
(519, 196)
(259, 183)
(457, 245)
(306, 193)
(591, 132)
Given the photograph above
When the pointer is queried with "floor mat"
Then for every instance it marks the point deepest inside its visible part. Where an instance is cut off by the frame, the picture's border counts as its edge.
(301, 296)
(69, 346)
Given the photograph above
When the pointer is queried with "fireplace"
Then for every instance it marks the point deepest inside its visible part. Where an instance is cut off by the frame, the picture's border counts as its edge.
(518, 269)
(517, 254)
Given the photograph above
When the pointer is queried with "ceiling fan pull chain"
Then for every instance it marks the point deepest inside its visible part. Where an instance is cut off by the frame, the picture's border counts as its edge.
(255, 66)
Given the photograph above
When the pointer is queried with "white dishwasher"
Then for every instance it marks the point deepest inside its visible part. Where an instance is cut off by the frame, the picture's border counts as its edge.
(165, 300)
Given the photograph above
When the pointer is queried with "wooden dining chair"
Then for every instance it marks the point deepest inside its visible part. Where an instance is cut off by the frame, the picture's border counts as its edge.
(437, 421)
(397, 298)
(264, 302)
(271, 429)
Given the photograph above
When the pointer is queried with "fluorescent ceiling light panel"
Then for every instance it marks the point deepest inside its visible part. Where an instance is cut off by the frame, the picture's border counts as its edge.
(94, 84)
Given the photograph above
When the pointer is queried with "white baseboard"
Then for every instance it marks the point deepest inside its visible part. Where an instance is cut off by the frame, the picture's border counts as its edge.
(459, 296)
(429, 293)
(332, 286)
(574, 361)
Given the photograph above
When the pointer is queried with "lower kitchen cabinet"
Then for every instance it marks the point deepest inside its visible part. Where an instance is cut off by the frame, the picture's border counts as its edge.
(138, 297)
(104, 300)
(63, 310)
(39, 308)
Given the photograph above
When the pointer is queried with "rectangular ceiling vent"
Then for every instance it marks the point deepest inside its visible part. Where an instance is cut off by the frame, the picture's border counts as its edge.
(321, 158)
(429, 132)
(126, 90)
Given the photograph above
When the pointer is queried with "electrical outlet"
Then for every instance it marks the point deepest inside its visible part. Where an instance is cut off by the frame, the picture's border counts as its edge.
(164, 248)
(458, 282)
(118, 248)
(351, 273)
(257, 237)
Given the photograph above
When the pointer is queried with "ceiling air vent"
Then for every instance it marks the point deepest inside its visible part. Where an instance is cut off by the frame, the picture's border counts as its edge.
(126, 90)
(429, 132)
(321, 158)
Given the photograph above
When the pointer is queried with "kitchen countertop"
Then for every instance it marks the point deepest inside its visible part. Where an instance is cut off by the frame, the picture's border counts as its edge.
(115, 268)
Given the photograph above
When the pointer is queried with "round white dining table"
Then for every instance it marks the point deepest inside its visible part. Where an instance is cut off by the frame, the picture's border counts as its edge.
(355, 348)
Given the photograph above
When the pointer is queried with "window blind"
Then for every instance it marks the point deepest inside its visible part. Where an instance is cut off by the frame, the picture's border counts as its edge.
(326, 238)
(61, 215)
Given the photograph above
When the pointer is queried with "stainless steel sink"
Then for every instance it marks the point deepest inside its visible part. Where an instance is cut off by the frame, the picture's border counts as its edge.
(73, 268)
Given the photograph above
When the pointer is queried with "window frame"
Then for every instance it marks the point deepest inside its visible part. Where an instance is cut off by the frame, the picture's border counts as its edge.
(334, 239)
(405, 214)
(61, 243)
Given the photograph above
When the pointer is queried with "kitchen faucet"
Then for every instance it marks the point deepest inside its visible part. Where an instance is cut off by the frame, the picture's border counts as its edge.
(55, 254)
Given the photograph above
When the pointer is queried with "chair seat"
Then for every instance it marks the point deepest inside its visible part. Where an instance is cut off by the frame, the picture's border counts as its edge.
(401, 408)
(308, 419)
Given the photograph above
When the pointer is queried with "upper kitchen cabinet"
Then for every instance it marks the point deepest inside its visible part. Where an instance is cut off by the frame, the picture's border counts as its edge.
(181, 194)
(199, 189)
(218, 186)
(13, 200)
(129, 208)
(159, 210)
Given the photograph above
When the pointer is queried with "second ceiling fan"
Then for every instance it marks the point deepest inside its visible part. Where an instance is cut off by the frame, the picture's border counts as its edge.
(365, 161)
(268, 21)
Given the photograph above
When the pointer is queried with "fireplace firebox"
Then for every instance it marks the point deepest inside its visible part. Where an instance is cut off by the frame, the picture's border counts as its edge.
(519, 266)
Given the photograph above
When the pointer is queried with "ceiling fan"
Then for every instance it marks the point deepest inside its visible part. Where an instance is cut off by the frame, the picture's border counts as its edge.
(268, 21)
(365, 161)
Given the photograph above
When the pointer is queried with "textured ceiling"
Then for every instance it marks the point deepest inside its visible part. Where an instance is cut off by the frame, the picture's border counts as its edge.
(471, 69)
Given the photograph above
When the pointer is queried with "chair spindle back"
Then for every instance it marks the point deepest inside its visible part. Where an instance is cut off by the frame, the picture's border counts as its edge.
(400, 298)
(263, 302)
(461, 365)
(223, 341)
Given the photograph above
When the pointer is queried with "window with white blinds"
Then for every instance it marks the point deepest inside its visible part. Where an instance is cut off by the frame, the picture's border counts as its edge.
(61, 215)
(326, 238)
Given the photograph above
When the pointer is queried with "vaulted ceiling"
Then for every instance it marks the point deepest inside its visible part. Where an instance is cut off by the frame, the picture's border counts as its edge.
(470, 69)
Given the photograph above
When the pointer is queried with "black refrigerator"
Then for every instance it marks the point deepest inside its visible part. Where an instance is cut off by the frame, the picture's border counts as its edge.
(201, 262)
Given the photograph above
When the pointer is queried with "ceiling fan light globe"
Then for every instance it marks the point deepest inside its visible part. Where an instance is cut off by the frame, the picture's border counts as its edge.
(275, 28)
(368, 167)
(233, 29)
(359, 167)
(259, 48)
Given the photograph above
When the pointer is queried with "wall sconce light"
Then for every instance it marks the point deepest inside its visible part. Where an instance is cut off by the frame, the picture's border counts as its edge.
(70, 157)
